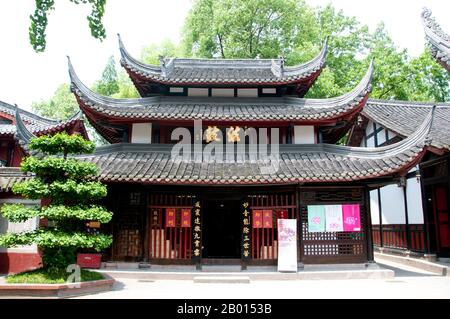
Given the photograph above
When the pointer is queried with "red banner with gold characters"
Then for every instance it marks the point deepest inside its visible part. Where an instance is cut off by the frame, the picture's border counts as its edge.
(257, 219)
(185, 217)
(267, 219)
(170, 217)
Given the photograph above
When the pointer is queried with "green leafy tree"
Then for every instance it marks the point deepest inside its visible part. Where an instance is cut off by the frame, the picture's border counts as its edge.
(152, 53)
(127, 90)
(68, 185)
(429, 81)
(108, 84)
(61, 106)
(270, 28)
(39, 21)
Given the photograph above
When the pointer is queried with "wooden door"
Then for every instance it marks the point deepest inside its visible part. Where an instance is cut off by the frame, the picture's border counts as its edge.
(441, 216)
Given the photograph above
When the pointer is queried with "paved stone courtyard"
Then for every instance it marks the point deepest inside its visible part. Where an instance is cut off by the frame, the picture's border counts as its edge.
(408, 283)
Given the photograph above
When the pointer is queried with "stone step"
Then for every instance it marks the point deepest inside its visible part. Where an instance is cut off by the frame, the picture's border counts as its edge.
(221, 268)
(222, 279)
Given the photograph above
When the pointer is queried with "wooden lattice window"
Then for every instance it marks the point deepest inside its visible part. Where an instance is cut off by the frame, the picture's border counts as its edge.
(333, 247)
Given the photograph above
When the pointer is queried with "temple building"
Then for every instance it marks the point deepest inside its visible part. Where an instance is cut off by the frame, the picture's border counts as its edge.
(18, 125)
(256, 152)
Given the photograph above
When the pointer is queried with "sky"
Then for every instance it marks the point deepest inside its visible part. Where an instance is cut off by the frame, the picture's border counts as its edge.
(26, 76)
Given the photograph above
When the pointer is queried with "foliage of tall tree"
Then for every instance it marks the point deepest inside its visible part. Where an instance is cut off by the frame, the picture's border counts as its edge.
(269, 28)
(127, 90)
(39, 21)
(61, 106)
(108, 83)
(67, 184)
(152, 53)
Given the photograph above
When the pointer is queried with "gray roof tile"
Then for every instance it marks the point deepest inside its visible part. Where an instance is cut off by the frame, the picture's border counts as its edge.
(152, 163)
(404, 118)
(232, 109)
(197, 71)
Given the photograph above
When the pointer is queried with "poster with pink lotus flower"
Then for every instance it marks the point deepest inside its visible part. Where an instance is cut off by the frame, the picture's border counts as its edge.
(316, 218)
(352, 217)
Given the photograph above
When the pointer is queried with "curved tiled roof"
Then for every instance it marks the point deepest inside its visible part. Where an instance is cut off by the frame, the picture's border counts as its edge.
(224, 109)
(36, 124)
(152, 163)
(28, 117)
(404, 118)
(437, 38)
(223, 71)
(10, 176)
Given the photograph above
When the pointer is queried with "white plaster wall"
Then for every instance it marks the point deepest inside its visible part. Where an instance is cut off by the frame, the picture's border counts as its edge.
(381, 137)
(371, 142)
(7, 226)
(369, 128)
(374, 208)
(247, 92)
(414, 201)
(141, 133)
(197, 92)
(222, 92)
(391, 135)
(269, 91)
(304, 134)
(176, 90)
(392, 205)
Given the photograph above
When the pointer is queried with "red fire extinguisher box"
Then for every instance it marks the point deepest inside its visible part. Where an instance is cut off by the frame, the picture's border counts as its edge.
(89, 260)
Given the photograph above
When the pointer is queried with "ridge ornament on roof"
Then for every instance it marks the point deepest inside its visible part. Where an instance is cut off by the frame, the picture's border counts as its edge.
(437, 38)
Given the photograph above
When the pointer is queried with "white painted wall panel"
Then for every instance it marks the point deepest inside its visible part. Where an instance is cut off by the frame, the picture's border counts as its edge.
(269, 91)
(381, 137)
(392, 205)
(222, 92)
(247, 92)
(414, 201)
(176, 90)
(141, 133)
(197, 92)
(371, 142)
(369, 128)
(391, 134)
(304, 134)
(374, 209)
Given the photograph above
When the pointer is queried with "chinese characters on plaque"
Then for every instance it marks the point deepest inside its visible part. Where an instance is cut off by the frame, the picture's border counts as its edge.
(334, 218)
(246, 231)
(196, 234)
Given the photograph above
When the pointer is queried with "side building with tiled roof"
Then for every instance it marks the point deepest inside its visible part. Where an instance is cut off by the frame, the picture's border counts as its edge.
(413, 216)
(17, 126)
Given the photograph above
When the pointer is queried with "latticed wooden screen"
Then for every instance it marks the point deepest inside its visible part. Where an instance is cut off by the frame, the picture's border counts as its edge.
(170, 226)
(129, 227)
(332, 247)
(264, 238)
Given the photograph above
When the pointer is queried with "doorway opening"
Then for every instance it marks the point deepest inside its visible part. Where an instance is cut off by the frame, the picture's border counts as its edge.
(222, 229)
